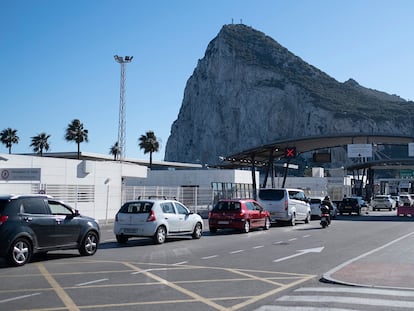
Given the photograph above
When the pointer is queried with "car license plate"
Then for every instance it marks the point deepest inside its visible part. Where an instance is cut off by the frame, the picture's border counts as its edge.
(130, 230)
(348, 206)
(223, 222)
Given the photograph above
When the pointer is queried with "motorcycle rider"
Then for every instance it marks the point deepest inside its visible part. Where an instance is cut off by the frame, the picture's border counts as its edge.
(327, 202)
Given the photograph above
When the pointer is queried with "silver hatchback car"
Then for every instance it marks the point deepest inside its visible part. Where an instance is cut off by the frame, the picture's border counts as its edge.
(156, 218)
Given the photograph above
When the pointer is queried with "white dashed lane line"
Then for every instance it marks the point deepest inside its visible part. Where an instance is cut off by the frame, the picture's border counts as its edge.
(19, 297)
(209, 257)
(92, 282)
(259, 246)
(238, 251)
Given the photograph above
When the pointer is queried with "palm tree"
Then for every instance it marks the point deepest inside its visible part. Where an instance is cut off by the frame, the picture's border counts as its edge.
(149, 143)
(9, 137)
(40, 143)
(75, 132)
(115, 150)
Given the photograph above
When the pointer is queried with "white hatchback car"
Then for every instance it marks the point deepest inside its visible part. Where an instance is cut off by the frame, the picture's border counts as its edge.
(383, 201)
(156, 218)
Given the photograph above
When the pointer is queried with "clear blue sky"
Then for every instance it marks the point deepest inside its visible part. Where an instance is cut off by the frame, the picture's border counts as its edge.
(57, 57)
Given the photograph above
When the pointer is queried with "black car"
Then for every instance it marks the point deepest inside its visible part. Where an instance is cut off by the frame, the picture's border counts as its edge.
(351, 205)
(32, 224)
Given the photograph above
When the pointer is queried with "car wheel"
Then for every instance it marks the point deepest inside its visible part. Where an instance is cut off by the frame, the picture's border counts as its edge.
(89, 244)
(213, 230)
(307, 220)
(121, 239)
(246, 227)
(160, 235)
(198, 231)
(267, 224)
(20, 252)
(293, 220)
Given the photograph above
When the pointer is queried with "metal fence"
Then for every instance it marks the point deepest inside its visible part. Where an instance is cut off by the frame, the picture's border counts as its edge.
(198, 200)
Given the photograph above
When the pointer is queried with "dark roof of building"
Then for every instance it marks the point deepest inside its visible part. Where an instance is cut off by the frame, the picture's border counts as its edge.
(262, 154)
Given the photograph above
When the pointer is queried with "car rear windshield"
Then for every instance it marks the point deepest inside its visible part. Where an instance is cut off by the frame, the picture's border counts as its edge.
(227, 206)
(315, 201)
(349, 201)
(271, 194)
(3, 204)
(140, 207)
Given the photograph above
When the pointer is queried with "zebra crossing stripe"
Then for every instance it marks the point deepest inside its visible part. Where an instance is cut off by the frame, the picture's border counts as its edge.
(350, 300)
(284, 308)
(354, 290)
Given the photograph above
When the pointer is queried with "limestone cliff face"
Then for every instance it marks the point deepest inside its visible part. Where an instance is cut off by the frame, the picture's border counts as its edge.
(248, 90)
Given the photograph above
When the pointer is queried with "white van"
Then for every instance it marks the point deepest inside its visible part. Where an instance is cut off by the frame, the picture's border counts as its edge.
(285, 204)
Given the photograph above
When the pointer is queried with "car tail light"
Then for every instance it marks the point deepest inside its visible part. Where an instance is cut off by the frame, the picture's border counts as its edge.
(151, 216)
(3, 219)
(286, 205)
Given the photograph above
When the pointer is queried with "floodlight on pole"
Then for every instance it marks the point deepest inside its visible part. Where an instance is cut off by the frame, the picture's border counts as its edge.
(122, 120)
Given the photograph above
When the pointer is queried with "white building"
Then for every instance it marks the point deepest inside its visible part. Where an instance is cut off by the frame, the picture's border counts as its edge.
(92, 187)
(97, 185)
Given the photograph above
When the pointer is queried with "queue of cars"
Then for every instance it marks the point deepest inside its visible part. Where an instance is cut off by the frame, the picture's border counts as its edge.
(36, 224)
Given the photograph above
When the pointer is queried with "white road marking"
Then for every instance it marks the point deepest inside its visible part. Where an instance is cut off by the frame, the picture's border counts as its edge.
(359, 290)
(148, 270)
(180, 263)
(350, 300)
(91, 282)
(259, 246)
(285, 308)
(238, 251)
(301, 252)
(209, 257)
(19, 297)
(293, 239)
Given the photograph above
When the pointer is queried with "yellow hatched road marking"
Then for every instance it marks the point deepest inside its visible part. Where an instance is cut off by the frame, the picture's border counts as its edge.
(178, 288)
(67, 301)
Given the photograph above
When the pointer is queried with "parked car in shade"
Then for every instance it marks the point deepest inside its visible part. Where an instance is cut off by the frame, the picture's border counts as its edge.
(157, 218)
(239, 214)
(31, 224)
(285, 204)
(351, 205)
(383, 201)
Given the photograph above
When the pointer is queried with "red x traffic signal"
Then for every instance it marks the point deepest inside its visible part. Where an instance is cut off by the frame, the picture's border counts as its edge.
(290, 152)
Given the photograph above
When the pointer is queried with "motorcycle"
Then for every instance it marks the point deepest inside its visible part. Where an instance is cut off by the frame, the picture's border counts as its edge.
(325, 216)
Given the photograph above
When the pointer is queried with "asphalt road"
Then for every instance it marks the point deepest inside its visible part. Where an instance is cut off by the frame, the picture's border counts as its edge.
(278, 269)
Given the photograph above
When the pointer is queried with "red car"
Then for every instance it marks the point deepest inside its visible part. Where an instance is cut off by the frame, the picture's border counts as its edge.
(240, 214)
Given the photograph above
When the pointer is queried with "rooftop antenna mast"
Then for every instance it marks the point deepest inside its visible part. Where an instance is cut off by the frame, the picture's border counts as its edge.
(122, 120)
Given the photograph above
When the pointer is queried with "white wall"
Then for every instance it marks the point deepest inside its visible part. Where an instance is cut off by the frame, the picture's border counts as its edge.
(202, 178)
(104, 176)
